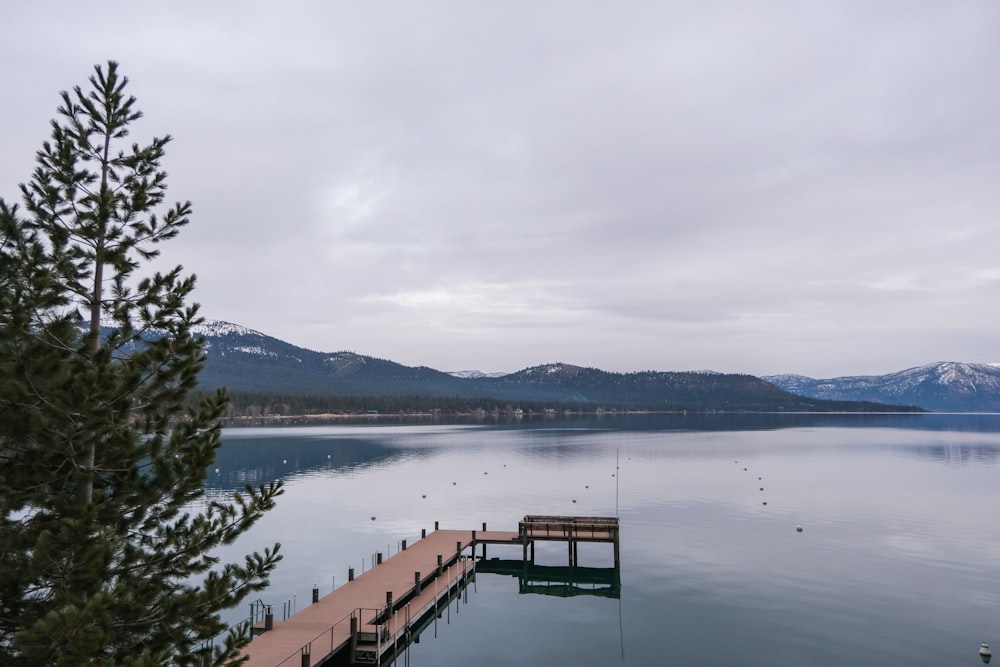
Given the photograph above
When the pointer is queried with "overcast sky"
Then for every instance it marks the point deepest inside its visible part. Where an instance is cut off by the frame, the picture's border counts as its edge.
(756, 187)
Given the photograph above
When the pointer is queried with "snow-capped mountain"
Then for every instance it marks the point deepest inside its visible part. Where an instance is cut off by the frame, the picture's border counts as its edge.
(244, 360)
(943, 386)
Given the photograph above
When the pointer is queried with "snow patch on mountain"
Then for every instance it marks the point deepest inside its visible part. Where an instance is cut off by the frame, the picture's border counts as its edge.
(474, 375)
(210, 328)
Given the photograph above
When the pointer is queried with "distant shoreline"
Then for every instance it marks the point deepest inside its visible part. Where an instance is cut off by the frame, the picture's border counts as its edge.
(505, 417)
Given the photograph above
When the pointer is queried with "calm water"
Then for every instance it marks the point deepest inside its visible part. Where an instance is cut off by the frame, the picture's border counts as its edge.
(898, 562)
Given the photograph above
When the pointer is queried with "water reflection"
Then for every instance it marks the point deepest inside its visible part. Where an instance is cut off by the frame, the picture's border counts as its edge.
(559, 581)
(256, 459)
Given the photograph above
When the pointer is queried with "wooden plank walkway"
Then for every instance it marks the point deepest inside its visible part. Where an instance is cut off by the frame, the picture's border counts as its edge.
(323, 628)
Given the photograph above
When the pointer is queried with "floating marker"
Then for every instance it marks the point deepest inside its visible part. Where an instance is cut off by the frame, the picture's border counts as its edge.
(284, 460)
(216, 471)
(765, 502)
(424, 496)
(574, 500)
(798, 529)
(984, 652)
(762, 488)
(373, 518)
(586, 486)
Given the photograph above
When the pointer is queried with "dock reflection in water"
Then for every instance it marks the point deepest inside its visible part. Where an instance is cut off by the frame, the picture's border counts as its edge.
(560, 581)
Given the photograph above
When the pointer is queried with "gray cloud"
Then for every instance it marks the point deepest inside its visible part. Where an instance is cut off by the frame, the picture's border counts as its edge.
(765, 187)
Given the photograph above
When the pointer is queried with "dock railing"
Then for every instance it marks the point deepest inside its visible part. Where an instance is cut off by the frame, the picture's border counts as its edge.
(562, 527)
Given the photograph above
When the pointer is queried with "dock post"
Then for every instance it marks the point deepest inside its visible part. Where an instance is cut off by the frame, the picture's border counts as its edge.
(354, 638)
(268, 619)
(404, 546)
(306, 655)
(423, 533)
(435, 525)
(378, 557)
(484, 526)
(315, 593)
(458, 546)
(440, 563)
(350, 574)
(416, 582)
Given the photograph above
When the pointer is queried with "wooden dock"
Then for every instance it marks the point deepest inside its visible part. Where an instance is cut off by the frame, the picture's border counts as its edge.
(374, 615)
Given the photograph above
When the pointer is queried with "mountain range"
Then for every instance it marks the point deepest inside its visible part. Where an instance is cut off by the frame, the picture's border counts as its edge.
(244, 360)
(945, 386)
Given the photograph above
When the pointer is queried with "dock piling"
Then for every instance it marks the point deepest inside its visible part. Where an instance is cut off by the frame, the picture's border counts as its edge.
(350, 574)
(315, 593)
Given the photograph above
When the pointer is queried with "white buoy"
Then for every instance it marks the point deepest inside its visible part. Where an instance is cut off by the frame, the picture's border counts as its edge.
(798, 529)
(984, 652)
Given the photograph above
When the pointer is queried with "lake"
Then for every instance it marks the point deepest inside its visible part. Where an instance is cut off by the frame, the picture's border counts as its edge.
(897, 563)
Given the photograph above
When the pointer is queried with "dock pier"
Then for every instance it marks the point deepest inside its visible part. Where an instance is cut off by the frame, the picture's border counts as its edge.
(373, 616)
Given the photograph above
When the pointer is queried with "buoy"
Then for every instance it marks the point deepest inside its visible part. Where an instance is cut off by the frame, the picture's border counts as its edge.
(765, 502)
(762, 488)
(984, 652)
(574, 500)
(798, 529)
(424, 495)
(373, 518)
(216, 471)
(744, 470)
(284, 460)
(454, 483)
(586, 486)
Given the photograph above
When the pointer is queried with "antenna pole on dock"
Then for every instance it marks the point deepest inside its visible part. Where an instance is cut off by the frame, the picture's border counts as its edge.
(617, 476)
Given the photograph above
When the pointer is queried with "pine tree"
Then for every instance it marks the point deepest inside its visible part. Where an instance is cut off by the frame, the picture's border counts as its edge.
(106, 537)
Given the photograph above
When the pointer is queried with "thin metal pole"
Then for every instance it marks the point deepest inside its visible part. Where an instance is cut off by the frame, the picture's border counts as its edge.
(617, 478)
